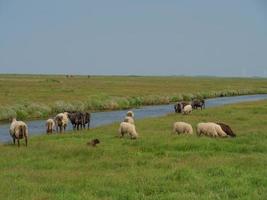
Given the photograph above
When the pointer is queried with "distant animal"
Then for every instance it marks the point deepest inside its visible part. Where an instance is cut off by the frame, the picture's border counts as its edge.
(130, 114)
(50, 125)
(129, 120)
(187, 109)
(178, 107)
(127, 128)
(87, 119)
(19, 130)
(210, 129)
(198, 103)
(93, 142)
(227, 129)
(129, 117)
(182, 127)
(79, 119)
(61, 121)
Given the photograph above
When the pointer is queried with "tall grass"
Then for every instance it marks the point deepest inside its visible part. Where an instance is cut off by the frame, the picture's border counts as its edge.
(40, 96)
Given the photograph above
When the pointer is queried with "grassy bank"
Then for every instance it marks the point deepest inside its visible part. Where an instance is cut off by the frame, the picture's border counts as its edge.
(156, 166)
(35, 96)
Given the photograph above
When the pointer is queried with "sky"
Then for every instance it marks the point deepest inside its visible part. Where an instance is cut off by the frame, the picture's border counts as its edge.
(134, 37)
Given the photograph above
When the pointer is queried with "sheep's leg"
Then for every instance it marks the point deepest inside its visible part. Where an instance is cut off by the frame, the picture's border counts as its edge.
(88, 125)
(26, 141)
(18, 143)
(14, 140)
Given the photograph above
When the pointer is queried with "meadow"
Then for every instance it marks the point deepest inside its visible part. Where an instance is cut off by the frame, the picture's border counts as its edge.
(40, 96)
(158, 165)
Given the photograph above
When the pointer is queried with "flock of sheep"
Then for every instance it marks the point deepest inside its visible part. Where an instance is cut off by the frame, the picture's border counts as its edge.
(19, 130)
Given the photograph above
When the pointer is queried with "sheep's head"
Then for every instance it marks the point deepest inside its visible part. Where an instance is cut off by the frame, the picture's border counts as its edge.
(130, 114)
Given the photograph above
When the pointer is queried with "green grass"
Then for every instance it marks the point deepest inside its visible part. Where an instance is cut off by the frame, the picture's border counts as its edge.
(158, 165)
(38, 96)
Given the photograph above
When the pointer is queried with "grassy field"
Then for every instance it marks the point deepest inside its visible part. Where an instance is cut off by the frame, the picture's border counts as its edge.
(33, 96)
(158, 165)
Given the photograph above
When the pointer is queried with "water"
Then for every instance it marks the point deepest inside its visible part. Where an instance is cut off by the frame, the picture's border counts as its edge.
(37, 127)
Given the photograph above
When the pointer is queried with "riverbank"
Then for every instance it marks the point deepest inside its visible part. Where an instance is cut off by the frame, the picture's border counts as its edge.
(36, 127)
(37, 97)
(156, 166)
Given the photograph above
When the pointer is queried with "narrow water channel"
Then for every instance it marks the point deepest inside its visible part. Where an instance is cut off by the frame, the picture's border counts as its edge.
(37, 127)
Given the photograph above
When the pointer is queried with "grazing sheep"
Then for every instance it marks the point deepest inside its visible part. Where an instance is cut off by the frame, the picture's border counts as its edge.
(210, 129)
(93, 142)
(187, 110)
(79, 119)
(178, 107)
(19, 130)
(129, 120)
(182, 127)
(130, 114)
(125, 128)
(227, 129)
(50, 126)
(61, 121)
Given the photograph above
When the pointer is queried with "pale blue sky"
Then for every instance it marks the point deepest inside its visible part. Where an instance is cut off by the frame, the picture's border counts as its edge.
(141, 37)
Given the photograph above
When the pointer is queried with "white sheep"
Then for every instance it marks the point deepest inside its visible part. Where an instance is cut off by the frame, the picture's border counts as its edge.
(50, 125)
(210, 129)
(62, 121)
(19, 130)
(129, 120)
(182, 127)
(127, 128)
(187, 109)
(130, 114)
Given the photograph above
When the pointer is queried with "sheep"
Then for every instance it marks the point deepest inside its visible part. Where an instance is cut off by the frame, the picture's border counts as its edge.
(50, 125)
(87, 119)
(125, 128)
(227, 129)
(61, 121)
(129, 120)
(178, 107)
(198, 103)
(210, 129)
(182, 127)
(130, 114)
(19, 130)
(187, 109)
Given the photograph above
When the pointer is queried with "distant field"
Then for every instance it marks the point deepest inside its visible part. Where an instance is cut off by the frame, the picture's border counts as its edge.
(33, 96)
(156, 166)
